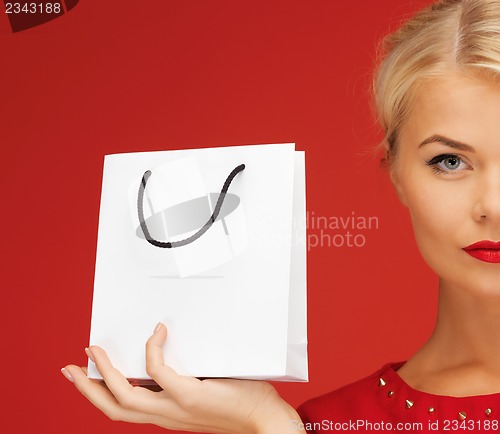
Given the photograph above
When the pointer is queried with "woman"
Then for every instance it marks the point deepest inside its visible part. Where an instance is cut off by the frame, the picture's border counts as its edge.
(438, 98)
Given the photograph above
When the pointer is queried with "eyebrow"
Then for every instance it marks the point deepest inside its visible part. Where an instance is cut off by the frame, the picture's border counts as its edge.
(448, 142)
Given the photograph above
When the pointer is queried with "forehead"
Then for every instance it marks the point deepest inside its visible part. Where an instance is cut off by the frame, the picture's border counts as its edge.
(462, 107)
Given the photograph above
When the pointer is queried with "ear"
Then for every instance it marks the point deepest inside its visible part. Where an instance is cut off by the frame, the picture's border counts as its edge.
(394, 175)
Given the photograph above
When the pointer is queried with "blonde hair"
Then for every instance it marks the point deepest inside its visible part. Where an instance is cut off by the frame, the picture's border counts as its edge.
(443, 38)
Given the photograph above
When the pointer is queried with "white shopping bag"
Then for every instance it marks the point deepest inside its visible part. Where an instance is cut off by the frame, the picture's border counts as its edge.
(212, 242)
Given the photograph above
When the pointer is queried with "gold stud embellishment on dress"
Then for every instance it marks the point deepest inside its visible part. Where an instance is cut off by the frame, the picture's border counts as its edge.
(431, 410)
(381, 382)
(462, 415)
(409, 404)
(390, 394)
(488, 412)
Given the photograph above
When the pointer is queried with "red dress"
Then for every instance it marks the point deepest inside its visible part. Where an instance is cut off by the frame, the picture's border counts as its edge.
(384, 402)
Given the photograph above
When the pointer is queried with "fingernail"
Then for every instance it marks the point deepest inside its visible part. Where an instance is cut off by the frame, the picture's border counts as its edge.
(158, 327)
(89, 354)
(66, 373)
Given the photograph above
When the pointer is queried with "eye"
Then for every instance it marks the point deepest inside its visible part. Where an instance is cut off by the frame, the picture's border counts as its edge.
(448, 163)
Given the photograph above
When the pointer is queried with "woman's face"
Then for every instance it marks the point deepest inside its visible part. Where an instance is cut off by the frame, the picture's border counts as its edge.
(447, 172)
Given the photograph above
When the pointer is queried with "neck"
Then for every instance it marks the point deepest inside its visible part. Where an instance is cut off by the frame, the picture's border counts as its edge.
(468, 326)
(465, 344)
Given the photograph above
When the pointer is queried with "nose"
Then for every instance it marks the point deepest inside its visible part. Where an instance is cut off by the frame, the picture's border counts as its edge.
(487, 204)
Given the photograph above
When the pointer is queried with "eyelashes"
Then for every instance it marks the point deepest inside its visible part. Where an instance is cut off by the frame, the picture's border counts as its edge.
(447, 164)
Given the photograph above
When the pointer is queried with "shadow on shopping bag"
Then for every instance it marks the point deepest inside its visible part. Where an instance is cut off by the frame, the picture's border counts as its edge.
(28, 14)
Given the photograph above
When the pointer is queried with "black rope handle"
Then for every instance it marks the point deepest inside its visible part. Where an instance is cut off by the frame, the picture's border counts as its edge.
(201, 231)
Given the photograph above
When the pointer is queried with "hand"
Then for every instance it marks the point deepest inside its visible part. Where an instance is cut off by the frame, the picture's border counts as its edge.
(185, 403)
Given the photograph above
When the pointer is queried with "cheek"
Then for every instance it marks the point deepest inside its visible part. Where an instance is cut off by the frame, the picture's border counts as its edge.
(437, 215)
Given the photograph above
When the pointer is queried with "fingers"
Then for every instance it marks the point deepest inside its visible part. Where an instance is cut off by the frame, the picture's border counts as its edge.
(176, 385)
(119, 400)
(128, 396)
(172, 408)
(97, 393)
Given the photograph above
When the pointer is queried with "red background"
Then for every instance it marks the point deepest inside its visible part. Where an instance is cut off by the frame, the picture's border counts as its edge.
(120, 76)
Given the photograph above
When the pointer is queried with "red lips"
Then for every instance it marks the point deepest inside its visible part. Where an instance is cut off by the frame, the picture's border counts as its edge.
(487, 251)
